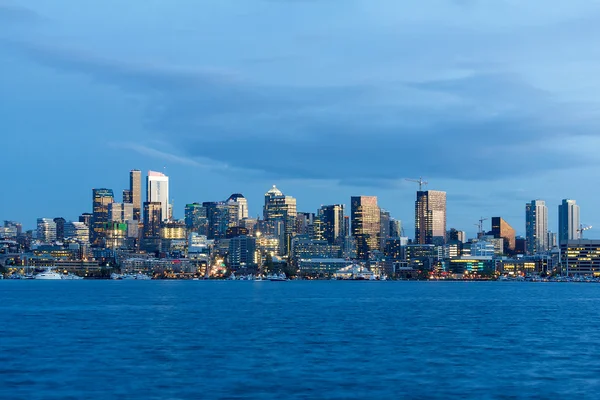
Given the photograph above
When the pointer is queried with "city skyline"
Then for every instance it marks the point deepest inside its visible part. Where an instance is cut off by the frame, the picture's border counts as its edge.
(320, 121)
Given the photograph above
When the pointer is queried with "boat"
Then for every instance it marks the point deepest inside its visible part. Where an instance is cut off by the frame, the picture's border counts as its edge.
(116, 276)
(278, 278)
(71, 277)
(142, 277)
(48, 275)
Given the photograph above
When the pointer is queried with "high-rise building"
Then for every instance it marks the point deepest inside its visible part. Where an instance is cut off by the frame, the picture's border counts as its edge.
(242, 252)
(552, 240)
(238, 208)
(78, 231)
(282, 209)
(395, 228)
(365, 219)
(384, 230)
(101, 199)
(46, 230)
(127, 196)
(135, 193)
(195, 218)
(152, 219)
(568, 221)
(157, 191)
(120, 212)
(502, 229)
(86, 218)
(536, 227)
(430, 217)
(217, 216)
(332, 222)
(60, 228)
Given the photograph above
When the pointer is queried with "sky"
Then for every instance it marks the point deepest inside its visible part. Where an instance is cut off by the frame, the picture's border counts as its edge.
(495, 103)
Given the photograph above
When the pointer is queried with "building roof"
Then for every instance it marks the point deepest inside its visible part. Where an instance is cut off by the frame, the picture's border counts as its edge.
(274, 192)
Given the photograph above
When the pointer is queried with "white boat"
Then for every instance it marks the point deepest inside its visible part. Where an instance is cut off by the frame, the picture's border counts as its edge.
(48, 275)
(71, 277)
(142, 277)
(278, 278)
(115, 276)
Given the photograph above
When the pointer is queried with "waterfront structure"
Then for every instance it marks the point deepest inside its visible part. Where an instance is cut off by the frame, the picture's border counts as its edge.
(365, 217)
(309, 248)
(536, 217)
(135, 193)
(157, 191)
(470, 265)
(422, 255)
(430, 217)
(568, 221)
(502, 229)
(580, 257)
(242, 252)
(325, 266)
(101, 200)
(46, 230)
(282, 209)
(332, 223)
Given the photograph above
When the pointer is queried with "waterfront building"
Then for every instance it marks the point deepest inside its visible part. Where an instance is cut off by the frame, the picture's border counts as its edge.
(430, 217)
(580, 257)
(502, 229)
(242, 252)
(281, 208)
(157, 191)
(101, 200)
(568, 221)
(365, 218)
(332, 223)
(520, 266)
(520, 245)
(480, 265)
(536, 217)
(303, 247)
(324, 266)
(422, 255)
(46, 230)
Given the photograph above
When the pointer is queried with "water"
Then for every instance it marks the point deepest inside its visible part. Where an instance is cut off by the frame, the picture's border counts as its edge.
(269, 340)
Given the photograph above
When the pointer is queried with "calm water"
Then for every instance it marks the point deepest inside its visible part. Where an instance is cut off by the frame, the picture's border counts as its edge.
(270, 340)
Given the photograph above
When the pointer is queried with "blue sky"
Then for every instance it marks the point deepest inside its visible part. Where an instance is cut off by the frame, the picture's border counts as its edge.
(494, 102)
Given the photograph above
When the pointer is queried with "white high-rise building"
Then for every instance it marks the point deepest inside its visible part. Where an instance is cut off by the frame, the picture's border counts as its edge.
(568, 221)
(46, 230)
(536, 229)
(157, 190)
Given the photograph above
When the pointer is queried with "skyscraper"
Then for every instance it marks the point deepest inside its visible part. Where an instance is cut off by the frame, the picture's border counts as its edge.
(568, 221)
(60, 228)
(135, 193)
(384, 230)
(152, 219)
(217, 215)
(195, 218)
(157, 191)
(279, 208)
(46, 230)
(101, 199)
(430, 217)
(332, 223)
(238, 208)
(502, 229)
(536, 226)
(365, 218)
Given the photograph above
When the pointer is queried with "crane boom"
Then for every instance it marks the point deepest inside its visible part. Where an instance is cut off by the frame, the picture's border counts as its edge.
(420, 181)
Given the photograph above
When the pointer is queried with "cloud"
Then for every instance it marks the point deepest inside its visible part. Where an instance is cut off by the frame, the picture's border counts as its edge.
(16, 14)
(479, 126)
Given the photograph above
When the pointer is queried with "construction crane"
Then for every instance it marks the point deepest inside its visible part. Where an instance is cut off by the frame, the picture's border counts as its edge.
(420, 181)
(480, 226)
(583, 228)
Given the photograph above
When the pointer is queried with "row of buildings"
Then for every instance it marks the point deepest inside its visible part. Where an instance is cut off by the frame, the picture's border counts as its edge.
(222, 234)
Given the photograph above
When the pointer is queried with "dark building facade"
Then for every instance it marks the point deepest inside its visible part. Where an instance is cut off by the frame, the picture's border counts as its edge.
(365, 217)
(101, 199)
(502, 229)
(430, 217)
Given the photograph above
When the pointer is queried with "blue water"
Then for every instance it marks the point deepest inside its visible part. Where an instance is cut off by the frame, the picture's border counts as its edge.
(276, 340)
